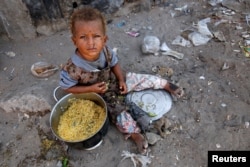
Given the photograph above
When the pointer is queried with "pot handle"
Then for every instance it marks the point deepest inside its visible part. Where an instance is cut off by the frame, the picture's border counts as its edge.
(54, 93)
(58, 93)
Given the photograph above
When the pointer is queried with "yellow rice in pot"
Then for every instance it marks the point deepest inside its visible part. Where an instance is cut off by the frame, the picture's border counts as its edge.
(81, 120)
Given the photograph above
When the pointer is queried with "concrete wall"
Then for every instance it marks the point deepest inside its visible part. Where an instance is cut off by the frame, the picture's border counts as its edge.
(28, 18)
(15, 20)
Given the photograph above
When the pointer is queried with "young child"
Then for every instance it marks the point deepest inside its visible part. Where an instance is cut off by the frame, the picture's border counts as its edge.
(91, 67)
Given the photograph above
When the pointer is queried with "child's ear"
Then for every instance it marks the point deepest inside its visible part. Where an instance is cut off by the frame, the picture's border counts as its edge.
(73, 40)
(106, 38)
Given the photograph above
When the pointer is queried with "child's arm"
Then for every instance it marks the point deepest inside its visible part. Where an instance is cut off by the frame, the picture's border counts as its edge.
(71, 86)
(96, 88)
(120, 77)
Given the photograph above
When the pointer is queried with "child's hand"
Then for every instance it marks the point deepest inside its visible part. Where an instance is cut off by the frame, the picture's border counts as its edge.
(123, 87)
(99, 87)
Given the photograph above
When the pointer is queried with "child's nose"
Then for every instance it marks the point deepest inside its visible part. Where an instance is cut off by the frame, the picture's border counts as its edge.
(90, 40)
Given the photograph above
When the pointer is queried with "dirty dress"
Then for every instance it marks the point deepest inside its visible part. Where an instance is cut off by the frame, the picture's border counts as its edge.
(73, 74)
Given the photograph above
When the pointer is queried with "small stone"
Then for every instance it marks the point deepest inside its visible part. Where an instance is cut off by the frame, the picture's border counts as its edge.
(152, 138)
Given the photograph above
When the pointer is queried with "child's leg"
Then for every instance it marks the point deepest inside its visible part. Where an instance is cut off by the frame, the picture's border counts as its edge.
(138, 82)
(126, 124)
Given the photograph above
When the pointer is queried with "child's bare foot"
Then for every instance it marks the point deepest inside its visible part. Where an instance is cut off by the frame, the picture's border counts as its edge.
(140, 141)
(174, 90)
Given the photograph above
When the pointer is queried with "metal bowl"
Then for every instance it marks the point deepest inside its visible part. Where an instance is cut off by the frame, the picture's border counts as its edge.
(61, 107)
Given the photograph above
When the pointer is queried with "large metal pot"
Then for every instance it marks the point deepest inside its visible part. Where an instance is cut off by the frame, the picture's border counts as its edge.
(60, 107)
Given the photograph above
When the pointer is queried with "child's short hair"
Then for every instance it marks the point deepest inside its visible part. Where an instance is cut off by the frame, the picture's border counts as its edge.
(86, 14)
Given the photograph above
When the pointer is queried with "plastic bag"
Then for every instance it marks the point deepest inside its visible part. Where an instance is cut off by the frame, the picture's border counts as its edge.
(202, 27)
(151, 44)
(198, 38)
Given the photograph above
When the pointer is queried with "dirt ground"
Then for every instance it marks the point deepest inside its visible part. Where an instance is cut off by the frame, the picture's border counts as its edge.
(214, 114)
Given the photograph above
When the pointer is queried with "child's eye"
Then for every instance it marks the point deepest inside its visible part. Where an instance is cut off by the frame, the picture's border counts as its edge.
(82, 37)
(97, 36)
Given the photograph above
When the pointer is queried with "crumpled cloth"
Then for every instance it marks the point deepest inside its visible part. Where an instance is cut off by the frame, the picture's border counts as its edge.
(126, 124)
(138, 82)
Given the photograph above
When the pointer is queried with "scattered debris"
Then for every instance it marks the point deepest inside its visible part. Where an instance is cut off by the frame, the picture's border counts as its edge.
(220, 36)
(11, 77)
(121, 24)
(133, 33)
(246, 50)
(223, 105)
(167, 51)
(179, 40)
(214, 2)
(247, 17)
(162, 71)
(43, 69)
(218, 145)
(137, 159)
(162, 125)
(10, 54)
(246, 125)
(225, 67)
(151, 44)
(202, 78)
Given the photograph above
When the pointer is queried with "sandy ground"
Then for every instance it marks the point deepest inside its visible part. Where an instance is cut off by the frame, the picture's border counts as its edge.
(213, 115)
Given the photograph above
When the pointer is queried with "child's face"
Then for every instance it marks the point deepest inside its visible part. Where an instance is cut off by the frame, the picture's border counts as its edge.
(89, 38)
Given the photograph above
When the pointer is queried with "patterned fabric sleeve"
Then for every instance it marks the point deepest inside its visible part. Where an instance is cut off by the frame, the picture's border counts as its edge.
(66, 81)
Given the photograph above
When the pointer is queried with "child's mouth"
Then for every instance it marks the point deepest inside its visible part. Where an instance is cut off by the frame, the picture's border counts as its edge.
(92, 49)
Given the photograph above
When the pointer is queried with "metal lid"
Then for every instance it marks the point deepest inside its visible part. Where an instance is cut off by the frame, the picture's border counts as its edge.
(155, 103)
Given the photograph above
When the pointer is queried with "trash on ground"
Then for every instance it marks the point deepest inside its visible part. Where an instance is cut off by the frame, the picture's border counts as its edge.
(151, 44)
(236, 50)
(137, 159)
(162, 126)
(246, 125)
(247, 42)
(225, 67)
(179, 40)
(121, 24)
(162, 71)
(202, 78)
(10, 54)
(214, 2)
(246, 50)
(246, 45)
(133, 33)
(43, 69)
(219, 36)
(165, 50)
(198, 38)
(223, 105)
(220, 22)
(11, 77)
(218, 145)
(179, 11)
(247, 19)
(234, 5)
(202, 27)
(181, 8)
(199, 34)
